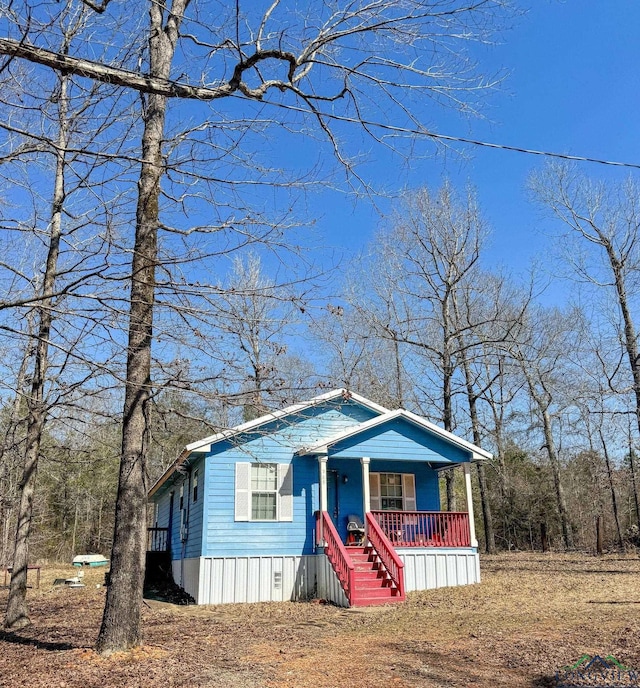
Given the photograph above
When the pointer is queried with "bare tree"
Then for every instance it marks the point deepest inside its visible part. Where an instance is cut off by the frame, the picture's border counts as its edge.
(541, 347)
(256, 315)
(429, 254)
(69, 265)
(10, 450)
(602, 246)
(321, 63)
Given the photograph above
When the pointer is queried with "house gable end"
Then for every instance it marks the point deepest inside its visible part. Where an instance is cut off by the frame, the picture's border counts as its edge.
(305, 423)
(398, 439)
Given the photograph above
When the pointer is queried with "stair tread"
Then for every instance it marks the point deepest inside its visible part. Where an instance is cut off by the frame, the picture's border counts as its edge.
(378, 601)
(384, 593)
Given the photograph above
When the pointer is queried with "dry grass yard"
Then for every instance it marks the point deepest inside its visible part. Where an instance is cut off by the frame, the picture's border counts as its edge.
(531, 615)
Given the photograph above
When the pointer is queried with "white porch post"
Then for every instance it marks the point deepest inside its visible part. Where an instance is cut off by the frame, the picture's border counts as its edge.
(322, 462)
(467, 484)
(366, 492)
(323, 498)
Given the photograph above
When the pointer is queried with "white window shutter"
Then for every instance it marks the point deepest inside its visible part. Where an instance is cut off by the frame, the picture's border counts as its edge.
(285, 492)
(243, 492)
(374, 491)
(409, 491)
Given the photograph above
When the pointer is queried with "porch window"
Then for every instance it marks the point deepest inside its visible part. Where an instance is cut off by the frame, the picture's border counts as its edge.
(391, 491)
(264, 491)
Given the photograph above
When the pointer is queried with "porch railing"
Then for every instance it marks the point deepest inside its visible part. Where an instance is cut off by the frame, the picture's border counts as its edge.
(425, 528)
(391, 561)
(157, 539)
(336, 553)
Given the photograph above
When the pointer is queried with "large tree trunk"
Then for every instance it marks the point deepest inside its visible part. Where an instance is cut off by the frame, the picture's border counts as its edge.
(120, 628)
(631, 346)
(629, 328)
(17, 615)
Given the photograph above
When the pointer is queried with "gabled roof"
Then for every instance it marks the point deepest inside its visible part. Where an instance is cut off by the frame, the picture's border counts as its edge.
(478, 454)
(204, 445)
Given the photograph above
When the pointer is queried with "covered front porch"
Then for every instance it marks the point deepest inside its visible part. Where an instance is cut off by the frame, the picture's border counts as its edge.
(401, 495)
(383, 475)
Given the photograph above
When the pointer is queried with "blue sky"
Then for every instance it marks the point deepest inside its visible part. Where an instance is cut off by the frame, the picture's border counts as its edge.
(573, 86)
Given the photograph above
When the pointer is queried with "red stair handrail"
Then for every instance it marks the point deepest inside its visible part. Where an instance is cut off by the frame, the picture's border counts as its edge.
(389, 557)
(336, 553)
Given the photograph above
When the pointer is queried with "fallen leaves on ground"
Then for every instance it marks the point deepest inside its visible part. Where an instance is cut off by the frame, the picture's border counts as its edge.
(531, 615)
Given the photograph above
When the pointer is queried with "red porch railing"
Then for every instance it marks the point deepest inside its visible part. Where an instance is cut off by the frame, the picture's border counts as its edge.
(384, 549)
(425, 528)
(157, 539)
(336, 552)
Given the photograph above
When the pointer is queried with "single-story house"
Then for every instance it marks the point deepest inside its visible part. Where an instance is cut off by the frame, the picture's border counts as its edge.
(335, 498)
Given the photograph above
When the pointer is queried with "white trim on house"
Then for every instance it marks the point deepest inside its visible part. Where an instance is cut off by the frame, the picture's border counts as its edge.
(477, 454)
(204, 445)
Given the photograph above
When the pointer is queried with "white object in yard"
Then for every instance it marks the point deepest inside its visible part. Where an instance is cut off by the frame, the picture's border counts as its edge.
(90, 560)
(74, 582)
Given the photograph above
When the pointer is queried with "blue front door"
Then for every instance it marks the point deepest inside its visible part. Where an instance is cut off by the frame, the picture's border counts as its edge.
(332, 496)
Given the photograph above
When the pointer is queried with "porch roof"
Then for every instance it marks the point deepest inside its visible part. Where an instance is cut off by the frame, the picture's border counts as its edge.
(365, 434)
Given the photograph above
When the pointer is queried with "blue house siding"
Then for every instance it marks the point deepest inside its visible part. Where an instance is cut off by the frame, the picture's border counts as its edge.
(399, 439)
(302, 429)
(163, 499)
(227, 537)
(398, 446)
(193, 543)
(162, 502)
(275, 443)
(192, 546)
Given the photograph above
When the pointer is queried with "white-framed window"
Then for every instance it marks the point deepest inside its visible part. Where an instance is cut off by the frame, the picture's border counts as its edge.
(392, 491)
(194, 485)
(263, 491)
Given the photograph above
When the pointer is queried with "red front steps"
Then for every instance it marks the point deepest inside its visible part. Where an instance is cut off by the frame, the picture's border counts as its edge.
(372, 584)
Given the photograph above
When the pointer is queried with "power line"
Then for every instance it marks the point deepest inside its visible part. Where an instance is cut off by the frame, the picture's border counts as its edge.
(476, 142)
(532, 151)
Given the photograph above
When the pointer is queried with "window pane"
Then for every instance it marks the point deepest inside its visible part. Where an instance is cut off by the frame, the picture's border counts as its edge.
(263, 506)
(263, 476)
(391, 491)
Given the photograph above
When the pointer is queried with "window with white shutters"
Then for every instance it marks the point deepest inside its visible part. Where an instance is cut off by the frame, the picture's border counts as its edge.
(264, 492)
(392, 491)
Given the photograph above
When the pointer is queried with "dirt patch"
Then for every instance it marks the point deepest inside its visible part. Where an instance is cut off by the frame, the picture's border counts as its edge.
(530, 616)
